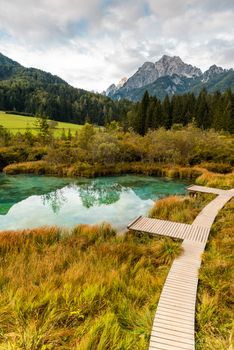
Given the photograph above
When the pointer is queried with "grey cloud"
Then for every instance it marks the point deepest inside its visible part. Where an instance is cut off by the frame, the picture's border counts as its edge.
(45, 21)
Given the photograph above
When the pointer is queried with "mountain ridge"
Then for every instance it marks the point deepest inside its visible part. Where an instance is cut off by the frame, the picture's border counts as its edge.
(169, 76)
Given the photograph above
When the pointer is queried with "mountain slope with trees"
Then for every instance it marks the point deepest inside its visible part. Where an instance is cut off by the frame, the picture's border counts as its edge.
(37, 92)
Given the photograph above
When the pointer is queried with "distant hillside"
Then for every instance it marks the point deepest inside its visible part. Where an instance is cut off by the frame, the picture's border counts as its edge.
(37, 92)
(171, 76)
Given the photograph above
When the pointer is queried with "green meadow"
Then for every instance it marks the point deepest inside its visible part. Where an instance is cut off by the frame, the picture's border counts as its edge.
(20, 123)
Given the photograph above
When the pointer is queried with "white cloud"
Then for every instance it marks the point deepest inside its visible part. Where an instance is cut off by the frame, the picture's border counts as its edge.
(94, 43)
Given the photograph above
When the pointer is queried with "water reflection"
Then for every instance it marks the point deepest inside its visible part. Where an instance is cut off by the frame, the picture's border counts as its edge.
(55, 200)
(14, 189)
(99, 193)
(95, 194)
(69, 202)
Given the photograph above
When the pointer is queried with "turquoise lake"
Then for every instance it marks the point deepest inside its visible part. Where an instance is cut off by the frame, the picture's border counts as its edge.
(31, 201)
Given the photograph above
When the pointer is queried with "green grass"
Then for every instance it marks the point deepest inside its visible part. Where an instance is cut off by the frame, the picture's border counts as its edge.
(18, 123)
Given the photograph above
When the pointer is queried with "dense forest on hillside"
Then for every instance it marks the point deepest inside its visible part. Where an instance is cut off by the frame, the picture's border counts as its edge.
(36, 92)
(59, 101)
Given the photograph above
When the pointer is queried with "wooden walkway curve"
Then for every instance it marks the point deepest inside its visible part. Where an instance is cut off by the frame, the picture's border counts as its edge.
(174, 322)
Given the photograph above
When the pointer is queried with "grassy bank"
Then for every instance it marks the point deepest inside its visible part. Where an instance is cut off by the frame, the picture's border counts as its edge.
(199, 175)
(182, 209)
(84, 289)
(92, 170)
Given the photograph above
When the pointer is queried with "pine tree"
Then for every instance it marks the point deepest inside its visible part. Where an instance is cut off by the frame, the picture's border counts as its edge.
(43, 125)
(167, 115)
(202, 111)
(142, 114)
(229, 113)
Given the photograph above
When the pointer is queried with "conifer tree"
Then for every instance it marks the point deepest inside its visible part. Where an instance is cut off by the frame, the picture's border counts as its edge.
(142, 114)
(167, 116)
(202, 111)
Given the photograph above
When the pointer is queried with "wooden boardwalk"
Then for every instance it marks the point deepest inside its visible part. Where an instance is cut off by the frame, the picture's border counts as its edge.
(197, 233)
(174, 322)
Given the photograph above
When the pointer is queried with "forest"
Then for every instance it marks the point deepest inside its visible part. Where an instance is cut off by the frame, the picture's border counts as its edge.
(64, 103)
(205, 110)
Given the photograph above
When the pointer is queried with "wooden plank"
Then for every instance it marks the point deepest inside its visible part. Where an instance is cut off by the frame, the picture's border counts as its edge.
(134, 221)
(160, 227)
(173, 336)
(176, 331)
(173, 342)
(203, 189)
(165, 320)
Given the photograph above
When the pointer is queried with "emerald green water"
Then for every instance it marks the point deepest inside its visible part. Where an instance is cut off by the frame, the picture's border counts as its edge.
(30, 201)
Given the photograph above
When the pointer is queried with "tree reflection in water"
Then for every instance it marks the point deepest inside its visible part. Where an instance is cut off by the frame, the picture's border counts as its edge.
(94, 194)
(55, 200)
(97, 194)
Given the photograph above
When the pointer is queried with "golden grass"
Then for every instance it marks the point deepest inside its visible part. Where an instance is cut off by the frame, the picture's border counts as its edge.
(224, 181)
(92, 170)
(214, 316)
(182, 209)
(80, 289)
(87, 289)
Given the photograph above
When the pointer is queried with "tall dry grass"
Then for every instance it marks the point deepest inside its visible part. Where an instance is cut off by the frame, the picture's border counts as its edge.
(215, 308)
(80, 289)
(182, 209)
(224, 181)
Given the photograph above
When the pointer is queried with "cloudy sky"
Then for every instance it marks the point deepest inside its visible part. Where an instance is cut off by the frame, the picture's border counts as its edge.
(92, 43)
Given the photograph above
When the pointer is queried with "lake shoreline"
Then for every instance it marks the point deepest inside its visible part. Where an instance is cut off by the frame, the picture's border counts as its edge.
(206, 174)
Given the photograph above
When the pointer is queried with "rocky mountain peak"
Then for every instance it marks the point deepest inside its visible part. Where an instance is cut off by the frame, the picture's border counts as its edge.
(169, 74)
(149, 72)
(212, 71)
(167, 59)
(145, 75)
(122, 82)
(168, 65)
(113, 88)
